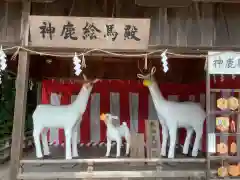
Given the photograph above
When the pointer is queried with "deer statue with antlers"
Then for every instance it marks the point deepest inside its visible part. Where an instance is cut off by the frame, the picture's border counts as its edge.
(173, 115)
(68, 117)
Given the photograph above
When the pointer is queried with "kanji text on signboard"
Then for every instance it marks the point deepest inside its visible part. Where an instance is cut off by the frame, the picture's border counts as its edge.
(224, 63)
(80, 32)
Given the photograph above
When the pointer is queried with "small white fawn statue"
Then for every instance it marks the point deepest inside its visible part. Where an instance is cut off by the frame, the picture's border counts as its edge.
(174, 115)
(116, 133)
(68, 117)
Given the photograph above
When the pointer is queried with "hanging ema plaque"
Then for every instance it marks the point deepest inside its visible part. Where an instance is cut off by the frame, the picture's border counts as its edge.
(222, 103)
(233, 148)
(222, 171)
(222, 123)
(233, 103)
(222, 148)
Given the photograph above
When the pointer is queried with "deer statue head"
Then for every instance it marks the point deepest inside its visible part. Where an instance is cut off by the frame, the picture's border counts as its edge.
(82, 99)
(88, 83)
(148, 78)
(107, 118)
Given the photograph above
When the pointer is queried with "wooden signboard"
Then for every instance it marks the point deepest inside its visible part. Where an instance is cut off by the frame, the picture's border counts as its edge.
(223, 63)
(153, 146)
(137, 146)
(89, 32)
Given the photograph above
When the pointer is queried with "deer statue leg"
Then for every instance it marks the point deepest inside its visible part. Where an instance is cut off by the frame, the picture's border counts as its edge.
(128, 145)
(68, 137)
(119, 143)
(36, 136)
(74, 142)
(109, 145)
(187, 140)
(164, 140)
(46, 151)
(199, 132)
(173, 136)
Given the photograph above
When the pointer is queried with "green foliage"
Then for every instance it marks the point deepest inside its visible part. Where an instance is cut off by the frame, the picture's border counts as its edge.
(7, 100)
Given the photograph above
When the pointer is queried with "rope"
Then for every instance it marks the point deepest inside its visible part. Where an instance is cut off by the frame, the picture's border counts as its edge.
(83, 61)
(112, 53)
(145, 63)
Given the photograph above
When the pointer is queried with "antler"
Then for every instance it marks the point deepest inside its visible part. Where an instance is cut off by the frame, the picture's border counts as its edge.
(82, 81)
(87, 81)
(79, 81)
(141, 76)
(96, 80)
(139, 68)
(152, 72)
(84, 77)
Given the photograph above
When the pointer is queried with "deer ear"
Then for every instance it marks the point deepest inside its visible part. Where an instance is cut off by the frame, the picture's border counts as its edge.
(153, 70)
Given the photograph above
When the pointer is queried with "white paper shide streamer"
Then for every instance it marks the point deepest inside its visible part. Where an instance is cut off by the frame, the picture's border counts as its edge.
(3, 63)
(164, 61)
(77, 65)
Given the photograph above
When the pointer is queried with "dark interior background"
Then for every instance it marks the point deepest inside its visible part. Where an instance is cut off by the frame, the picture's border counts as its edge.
(180, 70)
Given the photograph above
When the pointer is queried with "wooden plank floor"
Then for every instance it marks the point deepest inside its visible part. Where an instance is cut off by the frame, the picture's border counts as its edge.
(4, 170)
(99, 152)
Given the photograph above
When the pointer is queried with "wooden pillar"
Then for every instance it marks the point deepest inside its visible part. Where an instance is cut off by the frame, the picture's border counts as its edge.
(238, 129)
(39, 92)
(19, 113)
(21, 94)
(208, 119)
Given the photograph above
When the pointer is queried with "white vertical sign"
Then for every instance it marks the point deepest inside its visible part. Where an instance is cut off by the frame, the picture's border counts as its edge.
(224, 62)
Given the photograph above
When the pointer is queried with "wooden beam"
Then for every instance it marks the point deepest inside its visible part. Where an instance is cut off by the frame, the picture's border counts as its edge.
(111, 174)
(194, 50)
(66, 52)
(118, 8)
(105, 12)
(204, 1)
(36, 1)
(107, 160)
(21, 95)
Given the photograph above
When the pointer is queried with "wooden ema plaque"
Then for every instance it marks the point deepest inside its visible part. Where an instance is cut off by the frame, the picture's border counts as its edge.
(137, 146)
(229, 143)
(153, 146)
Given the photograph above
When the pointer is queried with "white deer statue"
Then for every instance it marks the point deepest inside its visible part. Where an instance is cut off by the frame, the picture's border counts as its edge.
(68, 117)
(116, 133)
(173, 115)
